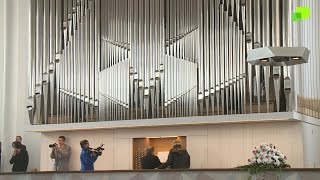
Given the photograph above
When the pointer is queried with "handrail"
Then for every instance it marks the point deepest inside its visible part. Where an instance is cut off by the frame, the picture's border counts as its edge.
(153, 170)
(308, 106)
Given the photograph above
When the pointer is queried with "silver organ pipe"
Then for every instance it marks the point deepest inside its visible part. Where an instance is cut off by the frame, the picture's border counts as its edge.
(266, 42)
(276, 42)
(249, 41)
(32, 60)
(257, 44)
(242, 45)
(38, 64)
(52, 98)
(46, 58)
(109, 60)
(286, 40)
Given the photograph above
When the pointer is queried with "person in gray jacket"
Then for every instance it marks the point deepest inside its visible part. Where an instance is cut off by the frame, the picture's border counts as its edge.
(61, 154)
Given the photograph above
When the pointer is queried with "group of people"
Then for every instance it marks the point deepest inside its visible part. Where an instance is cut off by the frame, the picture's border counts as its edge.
(178, 157)
(61, 154)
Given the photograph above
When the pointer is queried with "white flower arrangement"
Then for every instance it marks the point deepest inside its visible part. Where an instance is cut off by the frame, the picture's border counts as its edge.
(266, 158)
(267, 154)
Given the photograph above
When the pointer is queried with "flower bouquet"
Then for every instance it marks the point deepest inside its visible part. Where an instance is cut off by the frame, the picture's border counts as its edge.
(266, 158)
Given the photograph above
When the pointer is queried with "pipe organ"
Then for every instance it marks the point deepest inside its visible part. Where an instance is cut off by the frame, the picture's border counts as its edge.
(108, 60)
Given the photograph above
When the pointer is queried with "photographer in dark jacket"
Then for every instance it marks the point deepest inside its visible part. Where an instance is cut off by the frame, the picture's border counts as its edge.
(178, 157)
(150, 161)
(20, 158)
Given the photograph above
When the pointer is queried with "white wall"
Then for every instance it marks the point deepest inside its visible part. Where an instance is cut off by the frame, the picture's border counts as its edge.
(1, 68)
(311, 146)
(1, 64)
(13, 73)
(311, 143)
(212, 146)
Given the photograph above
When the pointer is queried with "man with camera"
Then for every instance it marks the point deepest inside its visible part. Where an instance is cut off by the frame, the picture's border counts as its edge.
(88, 155)
(61, 154)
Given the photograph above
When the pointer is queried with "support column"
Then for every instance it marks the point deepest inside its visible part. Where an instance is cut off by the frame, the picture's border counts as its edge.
(9, 77)
(1, 70)
(13, 79)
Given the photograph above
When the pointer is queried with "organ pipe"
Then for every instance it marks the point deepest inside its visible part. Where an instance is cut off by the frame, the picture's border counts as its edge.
(109, 60)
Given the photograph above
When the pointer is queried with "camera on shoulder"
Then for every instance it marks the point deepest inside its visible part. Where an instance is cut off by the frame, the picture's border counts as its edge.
(97, 151)
(53, 145)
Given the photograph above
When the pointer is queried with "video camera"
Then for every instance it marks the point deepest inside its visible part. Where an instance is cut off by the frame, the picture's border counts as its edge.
(97, 151)
(53, 145)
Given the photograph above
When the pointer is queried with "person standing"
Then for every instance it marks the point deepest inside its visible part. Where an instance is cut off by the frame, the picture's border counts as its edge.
(61, 154)
(87, 157)
(19, 138)
(178, 157)
(150, 161)
(20, 158)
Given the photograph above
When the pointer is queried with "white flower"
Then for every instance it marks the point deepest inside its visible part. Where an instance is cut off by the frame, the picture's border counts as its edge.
(259, 161)
(281, 155)
(277, 163)
(276, 160)
(268, 148)
(253, 161)
(267, 154)
(265, 160)
(271, 145)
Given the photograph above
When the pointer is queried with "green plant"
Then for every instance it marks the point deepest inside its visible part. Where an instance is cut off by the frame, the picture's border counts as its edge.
(256, 168)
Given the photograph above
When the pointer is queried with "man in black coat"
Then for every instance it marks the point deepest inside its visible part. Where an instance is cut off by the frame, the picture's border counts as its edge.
(20, 158)
(150, 161)
(178, 157)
